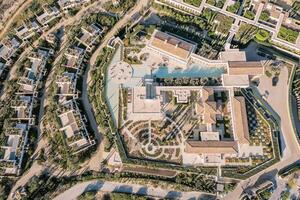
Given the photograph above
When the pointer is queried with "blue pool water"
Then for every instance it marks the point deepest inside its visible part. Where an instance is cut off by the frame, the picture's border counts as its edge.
(193, 70)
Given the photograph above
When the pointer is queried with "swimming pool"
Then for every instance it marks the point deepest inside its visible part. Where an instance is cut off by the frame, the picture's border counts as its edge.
(193, 70)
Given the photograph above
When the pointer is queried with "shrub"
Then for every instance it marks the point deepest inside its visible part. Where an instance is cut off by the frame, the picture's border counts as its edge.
(288, 34)
(264, 16)
(262, 35)
(249, 14)
(193, 2)
(234, 8)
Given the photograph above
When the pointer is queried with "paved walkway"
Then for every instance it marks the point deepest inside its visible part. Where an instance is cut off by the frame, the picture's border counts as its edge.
(158, 192)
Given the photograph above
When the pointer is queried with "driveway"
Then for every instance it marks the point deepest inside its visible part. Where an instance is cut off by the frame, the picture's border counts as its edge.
(107, 186)
(277, 97)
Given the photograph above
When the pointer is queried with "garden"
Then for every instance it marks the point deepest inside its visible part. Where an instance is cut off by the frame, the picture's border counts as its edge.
(288, 35)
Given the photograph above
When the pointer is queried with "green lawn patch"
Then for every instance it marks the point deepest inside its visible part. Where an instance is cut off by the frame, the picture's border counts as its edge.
(193, 2)
(288, 35)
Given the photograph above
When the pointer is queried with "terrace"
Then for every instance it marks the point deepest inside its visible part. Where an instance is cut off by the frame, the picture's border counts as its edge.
(291, 23)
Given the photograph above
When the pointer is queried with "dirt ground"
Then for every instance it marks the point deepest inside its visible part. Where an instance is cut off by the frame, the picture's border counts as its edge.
(7, 8)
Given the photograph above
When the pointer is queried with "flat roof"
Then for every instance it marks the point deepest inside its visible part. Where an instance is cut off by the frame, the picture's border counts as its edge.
(235, 80)
(210, 136)
(233, 55)
(142, 105)
(245, 68)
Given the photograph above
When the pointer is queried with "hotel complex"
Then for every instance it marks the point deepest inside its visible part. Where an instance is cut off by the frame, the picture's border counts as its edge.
(215, 105)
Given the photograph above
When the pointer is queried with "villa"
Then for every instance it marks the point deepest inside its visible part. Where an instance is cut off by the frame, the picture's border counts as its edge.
(73, 126)
(8, 47)
(73, 58)
(33, 75)
(27, 29)
(23, 107)
(48, 14)
(89, 35)
(66, 84)
(12, 150)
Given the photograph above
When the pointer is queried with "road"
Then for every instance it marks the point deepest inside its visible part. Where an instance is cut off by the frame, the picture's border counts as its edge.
(35, 170)
(107, 186)
(98, 157)
(12, 18)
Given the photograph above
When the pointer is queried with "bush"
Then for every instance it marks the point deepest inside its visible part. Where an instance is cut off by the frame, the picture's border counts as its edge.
(288, 34)
(249, 14)
(234, 8)
(264, 16)
(262, 35)
(193, 2)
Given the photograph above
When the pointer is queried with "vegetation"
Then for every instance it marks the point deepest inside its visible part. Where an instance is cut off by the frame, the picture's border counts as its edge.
(122, 7)
(245, 33)
(234, 8)
(288, 35)
(264, 16)
(193, 2)
(47, 187)
(249, 14)
(262, 35)
(97, 96)
(5, 187)
(217, 3)
(223, 24)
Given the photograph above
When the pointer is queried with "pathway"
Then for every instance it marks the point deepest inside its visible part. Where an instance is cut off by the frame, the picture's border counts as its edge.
(107, 186)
